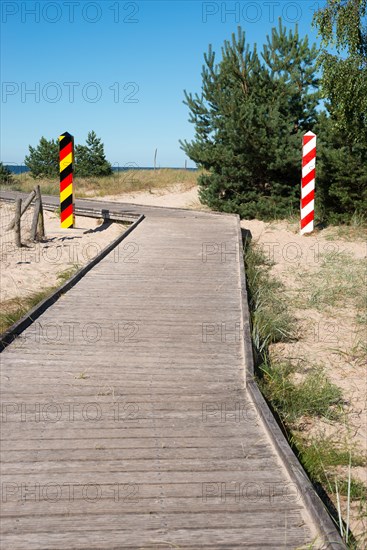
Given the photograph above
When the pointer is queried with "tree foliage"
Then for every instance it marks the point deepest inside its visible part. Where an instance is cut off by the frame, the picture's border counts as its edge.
(248, 123)
(342, 25)
(90, 160)
(341, 174)
(43, 160)
(6, 177)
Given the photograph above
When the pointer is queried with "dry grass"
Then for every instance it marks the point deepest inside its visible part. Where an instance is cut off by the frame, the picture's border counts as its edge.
(306, 397)
(116, 184)
(14, 309)
(339, 282)
(354, 231)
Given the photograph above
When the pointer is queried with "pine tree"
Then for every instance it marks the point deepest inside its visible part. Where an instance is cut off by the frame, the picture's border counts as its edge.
(82, 166)
(90, 159)
(6, 177)
(291, 62)
(43, 160)
(248, 122)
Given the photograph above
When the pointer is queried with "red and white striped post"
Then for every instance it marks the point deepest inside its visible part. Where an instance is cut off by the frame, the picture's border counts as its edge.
(308, 182)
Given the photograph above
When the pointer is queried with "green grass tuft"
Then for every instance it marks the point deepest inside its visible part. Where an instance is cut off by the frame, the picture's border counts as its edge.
(115, 184)
(315, 396)
(67, 274)
(271, 321)
(321, 457)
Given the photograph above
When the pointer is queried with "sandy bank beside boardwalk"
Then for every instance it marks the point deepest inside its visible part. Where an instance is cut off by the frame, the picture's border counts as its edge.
(36, 266)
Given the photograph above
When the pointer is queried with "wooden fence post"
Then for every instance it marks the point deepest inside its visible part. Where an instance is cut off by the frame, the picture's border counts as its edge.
(38, 224)
(36, 212)
(18, 210)
(41, 222)
(25, 205)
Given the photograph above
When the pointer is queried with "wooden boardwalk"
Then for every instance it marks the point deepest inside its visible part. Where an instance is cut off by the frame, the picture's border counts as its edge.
(126, 422)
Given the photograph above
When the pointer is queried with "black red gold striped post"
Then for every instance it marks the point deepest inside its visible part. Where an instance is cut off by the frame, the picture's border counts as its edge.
(67, 218)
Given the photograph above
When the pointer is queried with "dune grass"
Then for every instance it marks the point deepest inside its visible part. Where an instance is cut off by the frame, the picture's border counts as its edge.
(355, 230)
(314, 396)
(339, 281)
(271, 322)
(310, 395)
(14, 309)
(271, 319)
(116, 184)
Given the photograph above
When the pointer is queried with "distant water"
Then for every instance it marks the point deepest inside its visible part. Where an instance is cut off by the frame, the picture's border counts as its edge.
(21, 169)
(17, 168)
(125, 168)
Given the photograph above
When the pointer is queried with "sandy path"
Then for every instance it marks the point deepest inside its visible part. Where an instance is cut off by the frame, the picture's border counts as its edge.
(173, 198)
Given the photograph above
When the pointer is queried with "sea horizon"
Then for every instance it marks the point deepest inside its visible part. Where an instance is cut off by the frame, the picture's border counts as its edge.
(22, 169)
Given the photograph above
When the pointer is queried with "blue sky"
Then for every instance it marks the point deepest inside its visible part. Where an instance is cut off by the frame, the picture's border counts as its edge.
(119, 68)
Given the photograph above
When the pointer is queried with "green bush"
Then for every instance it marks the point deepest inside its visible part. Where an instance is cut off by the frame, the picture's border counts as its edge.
(6, 177)
(341, 174)
(43, 160)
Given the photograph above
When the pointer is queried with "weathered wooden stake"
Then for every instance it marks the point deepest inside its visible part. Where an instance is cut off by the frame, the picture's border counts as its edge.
(18, 210)
(38, 226)
(35, 218)
(25, 206)
(41, 222)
